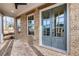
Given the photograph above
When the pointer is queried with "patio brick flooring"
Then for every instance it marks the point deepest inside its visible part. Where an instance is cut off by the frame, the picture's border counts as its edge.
(21, 48)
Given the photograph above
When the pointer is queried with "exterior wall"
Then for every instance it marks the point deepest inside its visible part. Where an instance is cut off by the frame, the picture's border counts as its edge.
(37, 22)
(23, 33)
(23, 27)
(17, 34)
(73, 32)
(74, 29)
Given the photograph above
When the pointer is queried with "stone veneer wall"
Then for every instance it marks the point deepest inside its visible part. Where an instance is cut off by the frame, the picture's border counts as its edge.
(23, 27)
(37, 23)
(74, 29)
(73, 33)
(23, 33)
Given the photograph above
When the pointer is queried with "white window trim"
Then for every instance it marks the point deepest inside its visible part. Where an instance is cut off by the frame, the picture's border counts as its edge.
(40, 29)
(32, 14)
(17, 24)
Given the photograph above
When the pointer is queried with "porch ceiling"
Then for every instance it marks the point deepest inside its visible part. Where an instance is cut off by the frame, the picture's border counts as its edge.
(10, 10)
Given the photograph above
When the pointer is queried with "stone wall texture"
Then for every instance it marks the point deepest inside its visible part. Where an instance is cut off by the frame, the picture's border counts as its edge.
(73, 31)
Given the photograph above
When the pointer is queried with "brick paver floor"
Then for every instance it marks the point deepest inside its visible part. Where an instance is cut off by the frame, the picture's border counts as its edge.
(22, 48)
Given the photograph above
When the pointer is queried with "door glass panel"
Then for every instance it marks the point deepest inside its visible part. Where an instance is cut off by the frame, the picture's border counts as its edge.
(46, 23)
(59, 22)
(46, 28)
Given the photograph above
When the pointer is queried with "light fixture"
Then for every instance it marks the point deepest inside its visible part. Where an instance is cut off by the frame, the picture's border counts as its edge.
(12, 11)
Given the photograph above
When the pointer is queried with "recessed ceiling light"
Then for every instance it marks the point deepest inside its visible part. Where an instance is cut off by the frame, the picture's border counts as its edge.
(12, 11)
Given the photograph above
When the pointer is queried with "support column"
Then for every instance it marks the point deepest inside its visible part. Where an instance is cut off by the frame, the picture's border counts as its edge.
(36, 31)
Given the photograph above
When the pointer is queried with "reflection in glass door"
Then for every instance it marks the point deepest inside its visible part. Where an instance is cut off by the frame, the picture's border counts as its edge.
(59, 36)
(46, 28)
(54, 27)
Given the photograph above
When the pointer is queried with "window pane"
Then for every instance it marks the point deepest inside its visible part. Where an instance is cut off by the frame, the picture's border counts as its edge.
(44, 22)
(48, 22)
(31, 25)
(18, 25)
(8, 23)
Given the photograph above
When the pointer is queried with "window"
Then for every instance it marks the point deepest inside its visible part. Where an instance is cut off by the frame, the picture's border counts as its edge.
(8, 24)
(19, 25)
(31, 25)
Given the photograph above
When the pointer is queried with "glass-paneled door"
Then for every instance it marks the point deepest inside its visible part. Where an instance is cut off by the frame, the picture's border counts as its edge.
(54, 27)
(59, 27)
(46, 28)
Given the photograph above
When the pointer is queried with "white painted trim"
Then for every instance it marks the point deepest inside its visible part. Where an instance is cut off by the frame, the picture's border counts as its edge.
(40, 29)
(27, 22)
(68, 31)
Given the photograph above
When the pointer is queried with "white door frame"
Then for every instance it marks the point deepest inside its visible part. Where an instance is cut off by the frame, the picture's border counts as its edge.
(40, 29)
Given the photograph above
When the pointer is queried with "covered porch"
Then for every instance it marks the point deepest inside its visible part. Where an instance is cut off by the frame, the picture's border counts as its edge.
(27, 31)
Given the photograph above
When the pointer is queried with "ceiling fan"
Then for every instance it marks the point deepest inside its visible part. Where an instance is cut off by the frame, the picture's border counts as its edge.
(17, 4)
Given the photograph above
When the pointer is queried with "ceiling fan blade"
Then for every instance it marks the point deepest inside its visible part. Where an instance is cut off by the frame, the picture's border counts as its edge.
(16, 4)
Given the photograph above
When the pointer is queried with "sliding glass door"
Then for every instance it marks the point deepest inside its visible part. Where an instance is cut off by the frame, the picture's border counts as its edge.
(54, 27)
